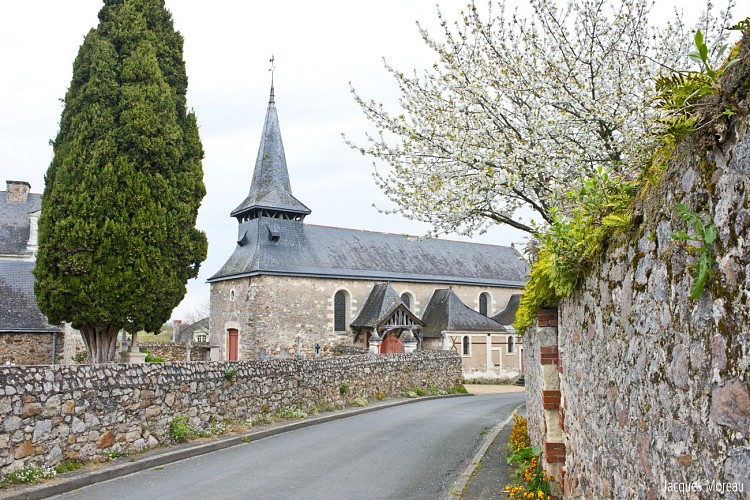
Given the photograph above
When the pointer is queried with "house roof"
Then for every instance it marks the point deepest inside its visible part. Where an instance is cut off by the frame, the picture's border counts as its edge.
(269, 246)
(508, 315)
(380, 306)
(446, 312)
(383, 299)
(19, 311)
(14, 223)
(270, 188)
(187, 331)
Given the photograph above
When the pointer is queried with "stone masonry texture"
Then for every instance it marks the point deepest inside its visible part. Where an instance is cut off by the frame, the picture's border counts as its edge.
(655, 389)
(654, 386)
(271, 312)
(50, 413)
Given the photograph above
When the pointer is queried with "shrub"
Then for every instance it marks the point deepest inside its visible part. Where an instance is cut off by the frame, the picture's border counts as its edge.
(69, 465)
(150, 358)
(458, 389)
(179, 429)
(360, 401)
(230, 374)
(343, 388)
(290, 412)
(29, 474)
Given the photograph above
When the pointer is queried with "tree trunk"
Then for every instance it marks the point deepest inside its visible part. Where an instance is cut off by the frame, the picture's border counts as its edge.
(101, 342)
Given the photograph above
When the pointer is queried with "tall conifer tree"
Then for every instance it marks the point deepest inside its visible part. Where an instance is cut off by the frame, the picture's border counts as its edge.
(117, 236)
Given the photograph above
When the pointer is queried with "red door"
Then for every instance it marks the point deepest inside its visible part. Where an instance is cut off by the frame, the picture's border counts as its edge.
(391, 345)
(233, 344)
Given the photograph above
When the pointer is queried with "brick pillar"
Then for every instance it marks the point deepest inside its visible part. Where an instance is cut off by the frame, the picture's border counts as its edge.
(552, 398)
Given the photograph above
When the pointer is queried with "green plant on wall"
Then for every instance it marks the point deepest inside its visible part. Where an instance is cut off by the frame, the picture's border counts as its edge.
(705, 235)
(590, 216)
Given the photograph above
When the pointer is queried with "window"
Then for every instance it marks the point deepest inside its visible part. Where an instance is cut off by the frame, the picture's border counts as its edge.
(483, 301)
(466, 346)
(339, 311)
(231, 295)
(511, 345)
(201, 337)
(406, 299)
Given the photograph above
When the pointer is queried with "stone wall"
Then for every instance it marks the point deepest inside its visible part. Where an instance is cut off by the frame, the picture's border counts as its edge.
(171, 352)
(48, 413)
(273, 311)
(31, 348)
(655, 385)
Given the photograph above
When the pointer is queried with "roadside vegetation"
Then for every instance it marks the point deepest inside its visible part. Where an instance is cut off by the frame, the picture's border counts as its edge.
(531, 481)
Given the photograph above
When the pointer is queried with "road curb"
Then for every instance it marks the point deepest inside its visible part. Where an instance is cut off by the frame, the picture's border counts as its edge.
(78, 479)
(460, 484)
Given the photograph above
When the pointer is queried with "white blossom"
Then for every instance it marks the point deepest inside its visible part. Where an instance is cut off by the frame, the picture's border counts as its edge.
(516, 111)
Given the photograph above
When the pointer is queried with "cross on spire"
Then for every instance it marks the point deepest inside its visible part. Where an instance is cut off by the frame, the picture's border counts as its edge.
(271, 69)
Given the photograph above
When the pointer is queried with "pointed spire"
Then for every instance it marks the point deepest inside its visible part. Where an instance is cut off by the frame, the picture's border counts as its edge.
(271, 99)
(270, 192)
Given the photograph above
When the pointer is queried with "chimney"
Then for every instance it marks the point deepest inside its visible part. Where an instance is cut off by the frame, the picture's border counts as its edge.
(18, 191)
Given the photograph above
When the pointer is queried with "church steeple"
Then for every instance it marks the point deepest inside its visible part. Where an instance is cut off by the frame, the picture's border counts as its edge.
(270, 192)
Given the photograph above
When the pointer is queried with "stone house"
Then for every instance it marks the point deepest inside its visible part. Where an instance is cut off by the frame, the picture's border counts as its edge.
(489, 348)
(289, 284)
(26, 337)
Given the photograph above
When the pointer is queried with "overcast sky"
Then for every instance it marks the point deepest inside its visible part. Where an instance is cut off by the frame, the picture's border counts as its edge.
(319, 47)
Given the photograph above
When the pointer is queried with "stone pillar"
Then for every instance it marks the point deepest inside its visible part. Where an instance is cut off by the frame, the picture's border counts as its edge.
(375, 342)
(410, 342)
(554, 445)
(444, 341)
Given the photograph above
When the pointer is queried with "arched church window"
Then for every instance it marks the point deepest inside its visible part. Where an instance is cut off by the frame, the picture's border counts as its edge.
(406, 299)
(340, 301)
(483, 302)
(511, 345)
(466, 346)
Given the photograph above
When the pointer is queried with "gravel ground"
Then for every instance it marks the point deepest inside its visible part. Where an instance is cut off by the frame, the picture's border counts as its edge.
(493, 388)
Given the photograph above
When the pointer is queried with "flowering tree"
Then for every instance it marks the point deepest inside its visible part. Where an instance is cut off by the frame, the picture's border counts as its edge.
(517, 111)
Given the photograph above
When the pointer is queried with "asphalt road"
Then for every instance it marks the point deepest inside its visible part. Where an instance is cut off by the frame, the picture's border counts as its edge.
(414, 451)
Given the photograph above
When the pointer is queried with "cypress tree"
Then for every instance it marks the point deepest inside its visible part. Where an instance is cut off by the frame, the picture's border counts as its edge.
(117, 236)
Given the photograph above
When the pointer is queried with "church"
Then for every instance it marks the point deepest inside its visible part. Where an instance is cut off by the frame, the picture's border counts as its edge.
(292, 287)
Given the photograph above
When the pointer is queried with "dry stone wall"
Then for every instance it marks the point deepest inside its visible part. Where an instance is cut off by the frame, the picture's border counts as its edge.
(172, 352)
(655, 393)
(49, 413)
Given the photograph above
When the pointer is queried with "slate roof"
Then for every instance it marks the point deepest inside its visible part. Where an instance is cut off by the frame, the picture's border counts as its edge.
(382, 302)
(291, 248)
(446, 312)
(508, 315)
(187, 331)
(14, 223)
(18, 308)
(270, 188)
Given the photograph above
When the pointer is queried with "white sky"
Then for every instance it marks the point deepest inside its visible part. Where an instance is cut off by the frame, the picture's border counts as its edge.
(319, 47)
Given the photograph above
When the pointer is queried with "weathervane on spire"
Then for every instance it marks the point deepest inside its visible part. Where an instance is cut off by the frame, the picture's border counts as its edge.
(271, 69)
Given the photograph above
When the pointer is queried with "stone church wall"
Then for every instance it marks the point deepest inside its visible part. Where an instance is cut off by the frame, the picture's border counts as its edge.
(31, 348)
(273, 311)
(49, 413)
(654, 386)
